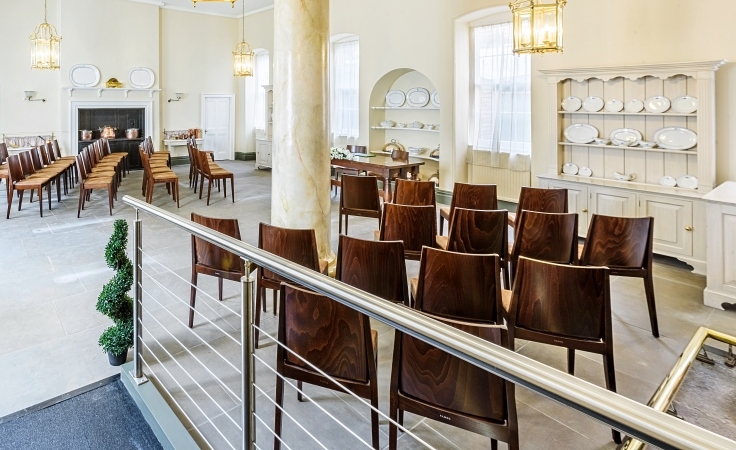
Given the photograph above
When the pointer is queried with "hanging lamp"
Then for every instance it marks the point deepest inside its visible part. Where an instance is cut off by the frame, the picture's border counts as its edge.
(243, 55)
(232, 2)
(537, 25)
(45, 44)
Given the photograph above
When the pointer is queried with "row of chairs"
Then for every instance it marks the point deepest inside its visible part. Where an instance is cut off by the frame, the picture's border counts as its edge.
(99, 168)
(202, 166)
(157, 170)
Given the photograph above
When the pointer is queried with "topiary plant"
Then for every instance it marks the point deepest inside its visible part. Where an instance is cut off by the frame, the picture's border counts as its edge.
(114, 300)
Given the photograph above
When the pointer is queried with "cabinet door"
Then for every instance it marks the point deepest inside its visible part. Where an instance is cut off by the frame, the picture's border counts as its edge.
(577, 202)
(263, 153)
(269, 150)
(609, 202)
(673, 223)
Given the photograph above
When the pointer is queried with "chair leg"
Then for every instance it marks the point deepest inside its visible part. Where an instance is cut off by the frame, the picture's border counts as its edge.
(347, 216)
(494, 444)
(277, 412)
(209, 188)
(571, 361)
(649, 289)
(393, 430)
(442, 224)
(21, 194)
(609, 368)
(192, 297)
(79, 204)
(219, 287)
(109, 197)
(40, 200)
(10, 201)
(374, 417)
(275, 294)
(232, 188)
(224, 185)
(299, 390)
(339, 226)
(176, 190)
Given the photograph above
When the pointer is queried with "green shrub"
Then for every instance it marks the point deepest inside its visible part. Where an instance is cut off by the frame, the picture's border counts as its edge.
(118, 338)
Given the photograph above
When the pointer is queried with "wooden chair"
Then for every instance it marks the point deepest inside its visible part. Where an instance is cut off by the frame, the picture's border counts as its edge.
(338, 172)
(296, 245)
(469, 196)
(87, 184)
(56, 151)
(563, 305)
(209, 259)
(624, 245)
(334, 338)
(17, 182)
(28, 167)
(3, 164)
(479, 232)
(443, 287)
(359, 197)
(415, 193)
(167, 177)
(545, 236)
(416, 226)
(432, 383)
(377, 267)
(213, 172)
(540, 200)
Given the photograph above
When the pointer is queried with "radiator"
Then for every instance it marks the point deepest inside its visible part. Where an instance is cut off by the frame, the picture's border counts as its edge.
(509, 182)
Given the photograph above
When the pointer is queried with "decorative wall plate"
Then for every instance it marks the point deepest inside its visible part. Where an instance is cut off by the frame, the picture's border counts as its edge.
(581, 133)
(675, 138)
(625, 136)
(585, 172)
(571, 104)
(634, 106)
(614, 105)
(570, 169)
(668, 181)
(434, 97)
(84, 75)
(417, 97)
(395, 98)
(593, 104)
(685, 104)
(687, 182)
(657, 104)
(141, 77)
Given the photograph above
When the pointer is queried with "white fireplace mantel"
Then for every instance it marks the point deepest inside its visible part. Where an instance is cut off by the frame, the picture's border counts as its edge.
(125, 91)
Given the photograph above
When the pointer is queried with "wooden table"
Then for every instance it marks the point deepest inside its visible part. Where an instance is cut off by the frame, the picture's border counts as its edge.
(384, 165)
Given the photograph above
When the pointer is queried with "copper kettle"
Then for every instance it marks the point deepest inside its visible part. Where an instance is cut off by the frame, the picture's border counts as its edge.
(107, 132)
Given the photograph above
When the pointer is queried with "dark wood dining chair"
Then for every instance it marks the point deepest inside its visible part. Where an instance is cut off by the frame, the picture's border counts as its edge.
(415, 193)
(566, 306)
(213, 172)
(152, 176)
(479, 232)
(377, 267)
(332, 337)
(209, 259)
(358, 197)
(469, 196)
(547, 237)
(88, 183)
(18, 182)
(296, 245)
(432, 383)
(624, 245)
(539, 200)
(444, 289)
(416, 226)
(339, 172)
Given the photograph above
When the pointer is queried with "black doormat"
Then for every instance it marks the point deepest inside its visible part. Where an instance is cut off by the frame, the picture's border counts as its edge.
(103, 418)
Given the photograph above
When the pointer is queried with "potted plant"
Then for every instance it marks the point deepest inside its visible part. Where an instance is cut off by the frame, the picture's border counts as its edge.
(114, 300)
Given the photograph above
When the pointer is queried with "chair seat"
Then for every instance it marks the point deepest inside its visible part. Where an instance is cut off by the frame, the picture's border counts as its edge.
(165, 177)
(442, 242)
(506, 300)
(445, 212)
(323, 263)
(32, 182)
(414, 286)
(97, 183)
(512, 220)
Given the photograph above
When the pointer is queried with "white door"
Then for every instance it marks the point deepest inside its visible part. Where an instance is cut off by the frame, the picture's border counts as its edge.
(218, 122)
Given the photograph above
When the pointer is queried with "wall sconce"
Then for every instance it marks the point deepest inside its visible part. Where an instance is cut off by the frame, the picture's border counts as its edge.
(178, 96)
(29, 96)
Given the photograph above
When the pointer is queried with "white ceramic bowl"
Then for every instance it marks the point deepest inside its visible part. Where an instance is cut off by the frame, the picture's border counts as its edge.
(416, 150)
(602, 141)
(624, 176)
(647, 144)
(388, 124)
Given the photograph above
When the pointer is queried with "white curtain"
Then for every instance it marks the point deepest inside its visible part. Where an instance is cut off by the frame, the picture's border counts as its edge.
(262, 77)
(502, 100)
(345, 83)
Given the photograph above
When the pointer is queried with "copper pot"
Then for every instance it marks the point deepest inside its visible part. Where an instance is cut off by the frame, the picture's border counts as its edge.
(86, 135)
(131, 133)
(107, 132)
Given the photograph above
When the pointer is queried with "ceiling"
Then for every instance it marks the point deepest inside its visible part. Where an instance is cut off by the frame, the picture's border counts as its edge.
(217, 8)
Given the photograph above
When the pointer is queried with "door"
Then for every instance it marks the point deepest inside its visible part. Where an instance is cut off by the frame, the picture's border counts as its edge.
(577, 202)
(612, 202)
(673, 223)
(218, 123)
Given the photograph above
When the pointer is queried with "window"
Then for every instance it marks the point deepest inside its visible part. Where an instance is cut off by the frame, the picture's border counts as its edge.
(262, 74)
(502, 94)
(345, 97)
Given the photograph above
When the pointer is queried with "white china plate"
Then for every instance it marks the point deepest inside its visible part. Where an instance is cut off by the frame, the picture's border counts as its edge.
(593, 104)
(84, 75)
(417, 97)
(624, 136)
(585, 172)
(141, 77)
(581, 133)
(675, 138)
(668, 181)
(434, 97)
(571, 104)
(687, 182)
(624, 176)
(614, 105)
(570, 169)
(634, 106)
(395, 98)
(685, 104)
(657, 104)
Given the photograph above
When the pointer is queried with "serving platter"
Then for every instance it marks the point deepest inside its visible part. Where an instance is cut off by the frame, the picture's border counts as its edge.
(141, 77)
(417, 97)
(675, 138)
(624, 136)
(395, 98)
(84, 75)
(581, 133)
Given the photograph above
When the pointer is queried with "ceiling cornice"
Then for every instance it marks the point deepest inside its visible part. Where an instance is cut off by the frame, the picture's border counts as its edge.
(164, 5)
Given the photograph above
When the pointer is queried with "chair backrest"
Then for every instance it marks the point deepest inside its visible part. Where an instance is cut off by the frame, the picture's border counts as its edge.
(459, 285)
(352, 148)
(400, 155)
(548, 237)
(212, 256)
(326, 333)
(36, 158)
(296, 245)
(81, 169)
(359, 192)
(144, 161)
(105, 147)
(3, 152)
(479, 231)
(55, 149)
(416, 226)
(416, 193)
(194, 159)
(15, 170)
(444, 382)
(203, 160)
(192, 141)
(619, 242)
(26, 163)
(562, 300)
(474, 196)
(47, 154)
(542, 200)
(377, 267)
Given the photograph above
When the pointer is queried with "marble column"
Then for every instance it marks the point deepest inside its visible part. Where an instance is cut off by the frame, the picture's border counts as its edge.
(301, 157)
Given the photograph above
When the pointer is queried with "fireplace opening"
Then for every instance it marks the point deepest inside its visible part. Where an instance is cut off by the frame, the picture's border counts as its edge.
(120, 119)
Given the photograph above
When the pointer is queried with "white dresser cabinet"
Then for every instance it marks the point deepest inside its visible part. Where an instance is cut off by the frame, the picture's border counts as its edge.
(721, 213)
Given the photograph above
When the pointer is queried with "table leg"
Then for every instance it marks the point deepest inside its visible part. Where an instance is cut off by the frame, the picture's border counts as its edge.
(387, 188)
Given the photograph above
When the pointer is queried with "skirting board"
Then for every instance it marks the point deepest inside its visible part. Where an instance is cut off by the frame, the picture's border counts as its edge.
(240, 156)
(165, 425)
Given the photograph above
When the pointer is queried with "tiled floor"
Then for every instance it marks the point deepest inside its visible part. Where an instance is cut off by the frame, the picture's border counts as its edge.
(52, 269)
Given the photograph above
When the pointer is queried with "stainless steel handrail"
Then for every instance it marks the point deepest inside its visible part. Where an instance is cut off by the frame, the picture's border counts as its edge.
(628, 416)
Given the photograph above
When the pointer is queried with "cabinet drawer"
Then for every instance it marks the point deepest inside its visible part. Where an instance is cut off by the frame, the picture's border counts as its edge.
(673, 223)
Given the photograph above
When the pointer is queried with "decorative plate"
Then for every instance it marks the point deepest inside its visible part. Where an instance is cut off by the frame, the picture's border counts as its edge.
(668, 181)
(570, 169)
(593, 104)
(417, 97)
(571, 104)
(634, 106)
(84, 75)
(685, 104)
(687, 182)
(581, 133)
(657, 104)
(614, 105)
(434, 97)
(624, 136)
(585, 172)
(141, 77)
(395, 98)
(675, 138)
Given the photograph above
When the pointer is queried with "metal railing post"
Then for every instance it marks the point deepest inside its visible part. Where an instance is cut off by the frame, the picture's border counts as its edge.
(138, 302)
(248, 374)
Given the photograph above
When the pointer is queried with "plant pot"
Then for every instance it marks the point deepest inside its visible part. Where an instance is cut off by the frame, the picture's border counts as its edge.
(117, 360)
